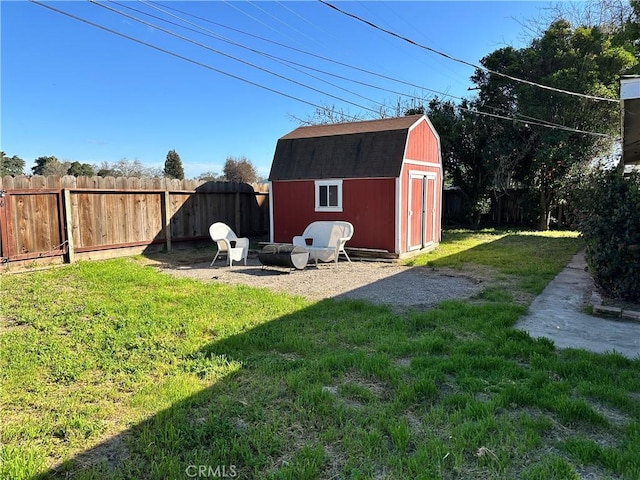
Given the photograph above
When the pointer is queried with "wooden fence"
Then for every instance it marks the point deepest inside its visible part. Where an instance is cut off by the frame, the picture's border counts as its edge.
(68, 216)
(510, 208)
(64, 217)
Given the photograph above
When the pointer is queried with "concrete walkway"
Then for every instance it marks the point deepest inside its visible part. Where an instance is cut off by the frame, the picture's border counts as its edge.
(557, 313)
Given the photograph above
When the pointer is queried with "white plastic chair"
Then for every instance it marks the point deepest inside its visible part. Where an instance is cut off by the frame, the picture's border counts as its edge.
(329, 239)
(222, 234)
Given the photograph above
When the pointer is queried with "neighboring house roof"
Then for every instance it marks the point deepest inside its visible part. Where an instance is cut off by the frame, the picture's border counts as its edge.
(630, 96)
(372, 148)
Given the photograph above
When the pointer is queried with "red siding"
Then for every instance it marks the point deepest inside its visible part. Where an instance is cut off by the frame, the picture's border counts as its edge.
(422, 144)
(369, 204)
(293, 205)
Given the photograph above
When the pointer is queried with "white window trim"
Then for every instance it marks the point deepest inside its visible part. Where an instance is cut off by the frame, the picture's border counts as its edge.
(327, 183)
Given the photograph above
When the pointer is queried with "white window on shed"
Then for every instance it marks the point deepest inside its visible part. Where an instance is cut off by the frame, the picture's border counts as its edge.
(328, 195)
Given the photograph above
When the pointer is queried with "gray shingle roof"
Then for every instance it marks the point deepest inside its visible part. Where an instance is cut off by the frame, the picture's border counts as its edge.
(372, 148)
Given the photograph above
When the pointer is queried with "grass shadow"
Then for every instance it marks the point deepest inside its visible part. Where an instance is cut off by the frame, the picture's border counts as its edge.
(267, 386)
(531, 258)
(347, 389)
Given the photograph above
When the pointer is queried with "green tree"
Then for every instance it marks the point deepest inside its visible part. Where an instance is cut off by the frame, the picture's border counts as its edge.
(239, 170)
(481, 155)
(629, 33)
(415, 111)
(608, 215)
(13, 166)
(104, 169)
(173, 166)
(78, 169)
(210, 176)
(583, 59)
(49, 166)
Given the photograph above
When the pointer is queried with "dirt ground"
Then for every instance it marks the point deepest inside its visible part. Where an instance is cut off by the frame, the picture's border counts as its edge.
(379, 282)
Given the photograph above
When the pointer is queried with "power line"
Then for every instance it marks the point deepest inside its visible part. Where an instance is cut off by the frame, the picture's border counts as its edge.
(321, 57)
(277, 58)
(186, 39)
(280, 20)
(254, 18)
(177, 55)
(209, 67)
(274, 58)
(464, 62)
(520, 118)
(283, 5)
(540, 123)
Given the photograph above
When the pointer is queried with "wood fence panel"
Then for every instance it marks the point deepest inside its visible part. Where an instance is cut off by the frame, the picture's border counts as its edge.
(185, 216)
(108, 213)
(75, 212)
(216, 207)
(255, 217)
(35, 223)
(176, 214)
(151, 225)
(198, 219)
(117, 218)
(111, 218)
(49, 216)
(82, 216)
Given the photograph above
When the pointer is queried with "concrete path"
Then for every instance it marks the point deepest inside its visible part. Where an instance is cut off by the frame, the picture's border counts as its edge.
(557, 313)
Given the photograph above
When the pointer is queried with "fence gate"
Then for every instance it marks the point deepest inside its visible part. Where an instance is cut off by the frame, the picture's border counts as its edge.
(31, 224)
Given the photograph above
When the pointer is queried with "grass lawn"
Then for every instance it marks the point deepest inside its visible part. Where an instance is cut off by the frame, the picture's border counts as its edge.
(112, 370)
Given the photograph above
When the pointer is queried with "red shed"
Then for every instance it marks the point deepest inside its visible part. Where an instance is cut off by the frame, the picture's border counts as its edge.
(383, 176)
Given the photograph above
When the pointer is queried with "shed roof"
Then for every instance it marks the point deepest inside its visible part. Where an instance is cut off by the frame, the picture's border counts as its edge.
(373, 148)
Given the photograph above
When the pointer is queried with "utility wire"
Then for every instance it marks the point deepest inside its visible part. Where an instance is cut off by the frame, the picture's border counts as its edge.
(327, 59)
(283, 5)
(280, 20)
(277, 58)
(540, 123)
(518, 117)
(202, 45)
(464, 62)
(177, 55)
(236, 77)
(274, 58)
(231, 4)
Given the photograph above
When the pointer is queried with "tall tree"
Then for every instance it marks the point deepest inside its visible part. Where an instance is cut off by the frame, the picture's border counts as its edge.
(49, 166)
(471, 157)
(13, 166)
(240, 170)
(78, 169)
(583, 59)
(173, 166)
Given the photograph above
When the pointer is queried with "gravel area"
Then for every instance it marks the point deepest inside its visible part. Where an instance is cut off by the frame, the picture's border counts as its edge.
(378, 282)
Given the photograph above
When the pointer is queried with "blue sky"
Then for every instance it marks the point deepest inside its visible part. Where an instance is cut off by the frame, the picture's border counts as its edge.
(83, 94)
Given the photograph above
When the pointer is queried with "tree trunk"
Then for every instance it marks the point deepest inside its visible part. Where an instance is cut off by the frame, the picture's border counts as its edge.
(477, 218)
(497, 210)
(545, 214)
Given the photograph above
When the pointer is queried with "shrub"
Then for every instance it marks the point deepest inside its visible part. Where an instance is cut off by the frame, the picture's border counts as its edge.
(609, 220)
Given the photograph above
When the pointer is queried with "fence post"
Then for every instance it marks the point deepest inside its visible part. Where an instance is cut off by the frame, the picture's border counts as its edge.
(166, 217)
(4, 226)
(68, 225)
